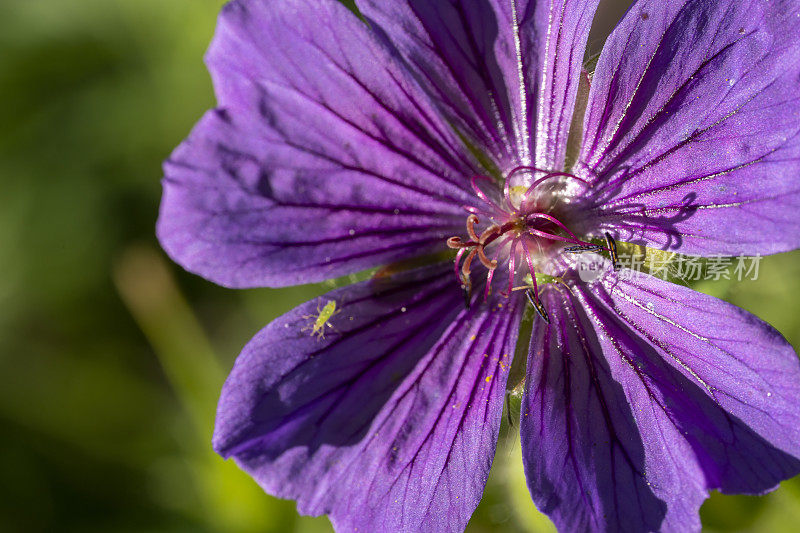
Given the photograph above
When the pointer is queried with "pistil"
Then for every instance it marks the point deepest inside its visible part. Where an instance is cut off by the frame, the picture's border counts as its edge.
(523, 223)
(516, 231)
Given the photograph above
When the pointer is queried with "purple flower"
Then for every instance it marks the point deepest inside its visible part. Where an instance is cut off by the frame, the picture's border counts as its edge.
(342, 144)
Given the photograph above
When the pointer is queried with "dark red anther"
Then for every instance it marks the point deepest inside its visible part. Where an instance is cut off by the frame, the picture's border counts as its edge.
(533, 299)
(580, 248)
(612, 250)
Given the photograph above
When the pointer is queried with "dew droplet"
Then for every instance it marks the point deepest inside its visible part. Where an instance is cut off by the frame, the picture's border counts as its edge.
(396, 211)
(402, 309)
(352, 232)
(769, 394)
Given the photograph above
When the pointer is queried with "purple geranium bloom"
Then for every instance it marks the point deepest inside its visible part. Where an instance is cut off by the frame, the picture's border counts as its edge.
(433, 126)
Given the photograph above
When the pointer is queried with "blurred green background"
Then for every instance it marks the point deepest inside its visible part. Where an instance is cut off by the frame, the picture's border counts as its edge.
(112, 357)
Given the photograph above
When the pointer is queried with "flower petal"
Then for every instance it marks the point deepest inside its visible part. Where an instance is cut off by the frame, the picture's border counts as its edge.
(390, 422)
(643, 396)
(467, 55)
(324, 159)
(558, 32)
(691, 134)
(505, 72)
(582, 453)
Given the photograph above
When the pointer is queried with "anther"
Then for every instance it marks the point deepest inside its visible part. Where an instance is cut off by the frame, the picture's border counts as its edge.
(537, 304)
(580, 248)
(612, 249)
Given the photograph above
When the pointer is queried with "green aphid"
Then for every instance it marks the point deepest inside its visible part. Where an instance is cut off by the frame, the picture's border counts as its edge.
(322, 320)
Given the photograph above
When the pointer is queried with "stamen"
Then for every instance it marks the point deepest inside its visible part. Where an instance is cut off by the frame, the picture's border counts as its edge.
(555, 221)
(514, 229)
(533, 293)
(530, 263)
(556, 279)
(612, 249)
(552, 175)
(548, 176)
(507, 186)
(478, 192)
(488, 288)
(580, 248)
(511, 267)
(537, 304)
(482, 195)
(564, 284)
(553, 237)
(512, 226)
(524, 168)
(490, 277)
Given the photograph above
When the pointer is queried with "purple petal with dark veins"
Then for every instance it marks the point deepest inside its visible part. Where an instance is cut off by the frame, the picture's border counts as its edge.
(559, 32)
(324, 158)
(389, 422)
(505, 72)
(643, 396)
(467, 54)
(691, 134)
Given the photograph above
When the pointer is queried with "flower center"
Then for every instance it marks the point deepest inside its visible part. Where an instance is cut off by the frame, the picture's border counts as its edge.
(520, 223)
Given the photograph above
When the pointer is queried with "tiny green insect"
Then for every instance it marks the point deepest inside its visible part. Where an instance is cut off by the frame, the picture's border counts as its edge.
(322, 319)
